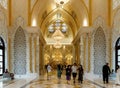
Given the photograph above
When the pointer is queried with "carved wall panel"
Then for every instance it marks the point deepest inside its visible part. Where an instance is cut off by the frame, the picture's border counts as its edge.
(20, 52)
(99, 50)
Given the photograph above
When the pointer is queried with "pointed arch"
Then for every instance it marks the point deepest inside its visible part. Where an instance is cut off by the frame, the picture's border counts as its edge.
(117, 53)
(20, 52)
(99, 50)
(2, 56)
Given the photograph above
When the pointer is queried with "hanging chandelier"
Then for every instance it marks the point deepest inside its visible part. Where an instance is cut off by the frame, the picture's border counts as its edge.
(59, 26)
(58, 35)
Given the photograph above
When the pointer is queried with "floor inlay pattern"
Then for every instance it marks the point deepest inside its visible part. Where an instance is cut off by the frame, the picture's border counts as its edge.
(42, 82)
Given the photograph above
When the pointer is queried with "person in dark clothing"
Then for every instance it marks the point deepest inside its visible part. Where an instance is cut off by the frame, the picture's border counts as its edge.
(59, 72)
(80, 74)
(106, 73)
(68, 73)
(6, 71)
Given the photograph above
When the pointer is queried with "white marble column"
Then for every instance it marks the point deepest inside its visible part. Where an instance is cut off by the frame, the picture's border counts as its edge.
(87, 51)
(81, 50)
(84, 52)
(92, 56)
(33, 53)
(27, 53)
(37, 55)
(12, 55)
(9, 54)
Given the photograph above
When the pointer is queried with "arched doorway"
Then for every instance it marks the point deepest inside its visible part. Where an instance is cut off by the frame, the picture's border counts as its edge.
(2, 56)
(117, 53)
(55, 56)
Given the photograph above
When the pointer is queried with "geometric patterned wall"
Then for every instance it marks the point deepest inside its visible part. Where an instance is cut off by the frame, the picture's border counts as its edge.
(20, 52)
(99, 50)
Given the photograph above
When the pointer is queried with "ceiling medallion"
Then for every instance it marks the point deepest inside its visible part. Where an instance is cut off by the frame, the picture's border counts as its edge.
(61, 2)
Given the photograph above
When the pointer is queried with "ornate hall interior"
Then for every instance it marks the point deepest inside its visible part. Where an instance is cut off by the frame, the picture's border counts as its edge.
(34, 33)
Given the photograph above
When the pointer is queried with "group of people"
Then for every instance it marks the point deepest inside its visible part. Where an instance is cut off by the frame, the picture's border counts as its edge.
(7, 74)
(73, 70)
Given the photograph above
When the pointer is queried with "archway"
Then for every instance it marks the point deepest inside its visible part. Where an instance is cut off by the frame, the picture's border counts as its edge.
(117, 53)
(2, 56)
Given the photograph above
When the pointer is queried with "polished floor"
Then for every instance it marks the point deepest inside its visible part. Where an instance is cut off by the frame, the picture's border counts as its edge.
(43, 82)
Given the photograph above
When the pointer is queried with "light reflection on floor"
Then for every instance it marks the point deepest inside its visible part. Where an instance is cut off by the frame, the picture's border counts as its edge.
(42, 82)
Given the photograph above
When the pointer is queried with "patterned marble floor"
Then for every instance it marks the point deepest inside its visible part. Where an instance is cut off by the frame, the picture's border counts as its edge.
(42, 82)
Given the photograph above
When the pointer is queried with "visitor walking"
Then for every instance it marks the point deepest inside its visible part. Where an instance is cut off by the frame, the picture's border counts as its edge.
(74, 72)
(106, 73)
(59, 71)
(49, 69)
(68, 73)
(80, 74)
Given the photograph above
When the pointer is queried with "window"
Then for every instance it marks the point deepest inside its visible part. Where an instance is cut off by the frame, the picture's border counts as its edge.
(117, 59)
(2, 47)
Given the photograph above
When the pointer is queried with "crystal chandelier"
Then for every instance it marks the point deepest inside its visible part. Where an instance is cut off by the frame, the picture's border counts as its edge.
(58, 35)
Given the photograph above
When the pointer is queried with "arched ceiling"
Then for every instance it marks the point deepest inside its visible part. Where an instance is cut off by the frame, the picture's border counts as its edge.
(72, 13)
